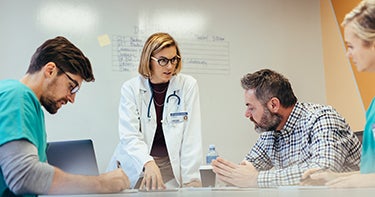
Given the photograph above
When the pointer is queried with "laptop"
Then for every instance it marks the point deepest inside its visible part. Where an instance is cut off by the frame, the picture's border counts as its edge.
(208, 177)
(73, 156)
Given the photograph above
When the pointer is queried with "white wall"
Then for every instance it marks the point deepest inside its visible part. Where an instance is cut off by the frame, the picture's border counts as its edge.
(283, 35)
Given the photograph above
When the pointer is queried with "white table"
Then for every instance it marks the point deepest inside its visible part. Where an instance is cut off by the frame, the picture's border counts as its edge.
(248, 192)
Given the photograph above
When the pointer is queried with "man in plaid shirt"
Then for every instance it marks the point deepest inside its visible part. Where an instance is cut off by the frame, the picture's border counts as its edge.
(294, 137)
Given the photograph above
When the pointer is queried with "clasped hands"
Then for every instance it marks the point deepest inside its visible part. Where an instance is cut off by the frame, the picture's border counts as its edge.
(245, 175)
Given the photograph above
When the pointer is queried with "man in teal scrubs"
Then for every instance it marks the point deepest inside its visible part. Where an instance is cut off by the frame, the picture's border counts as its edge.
(53, 78)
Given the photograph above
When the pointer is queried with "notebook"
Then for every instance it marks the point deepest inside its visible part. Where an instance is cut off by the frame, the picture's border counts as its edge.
(73, 156)
(208, 177)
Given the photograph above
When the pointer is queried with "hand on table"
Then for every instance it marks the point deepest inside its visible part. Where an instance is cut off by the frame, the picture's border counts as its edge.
(318, 176)
(353, 181)
(152, 178)
(114, 181)
(240, 175)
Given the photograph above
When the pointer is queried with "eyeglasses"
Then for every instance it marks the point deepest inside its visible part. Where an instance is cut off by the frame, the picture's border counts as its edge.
(74, 89)
(164, 61)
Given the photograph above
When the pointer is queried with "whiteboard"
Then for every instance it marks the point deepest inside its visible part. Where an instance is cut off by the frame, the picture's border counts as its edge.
(220, 40)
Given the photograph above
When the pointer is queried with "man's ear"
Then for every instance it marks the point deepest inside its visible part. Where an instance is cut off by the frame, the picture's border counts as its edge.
(50, 69)
(273, 104)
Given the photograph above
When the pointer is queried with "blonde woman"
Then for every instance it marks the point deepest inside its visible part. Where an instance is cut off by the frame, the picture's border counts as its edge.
(160, 121)
(359, 34)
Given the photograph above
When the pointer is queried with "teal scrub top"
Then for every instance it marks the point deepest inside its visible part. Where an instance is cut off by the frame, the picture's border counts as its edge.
(21, 117)
(368, 142)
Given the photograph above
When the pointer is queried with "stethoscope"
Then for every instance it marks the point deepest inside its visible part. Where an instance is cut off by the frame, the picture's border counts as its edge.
(169, 97)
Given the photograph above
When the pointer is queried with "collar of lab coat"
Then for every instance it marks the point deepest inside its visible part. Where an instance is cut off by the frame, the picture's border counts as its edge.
(173, 85)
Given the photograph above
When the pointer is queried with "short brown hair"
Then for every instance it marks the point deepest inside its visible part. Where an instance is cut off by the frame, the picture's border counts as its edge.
(64, 54)
(267, 84)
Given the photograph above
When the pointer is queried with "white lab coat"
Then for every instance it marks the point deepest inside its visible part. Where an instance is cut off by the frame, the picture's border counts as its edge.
(182, 135)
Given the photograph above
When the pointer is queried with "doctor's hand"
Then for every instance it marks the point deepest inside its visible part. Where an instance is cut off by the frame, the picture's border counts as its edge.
(240, 175)
(152, 178)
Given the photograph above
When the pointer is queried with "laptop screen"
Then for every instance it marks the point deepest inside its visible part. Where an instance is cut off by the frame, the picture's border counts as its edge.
(74, 156)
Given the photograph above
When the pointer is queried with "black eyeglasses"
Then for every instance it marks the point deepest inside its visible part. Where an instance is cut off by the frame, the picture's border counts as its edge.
(74, 89)
(164, 61)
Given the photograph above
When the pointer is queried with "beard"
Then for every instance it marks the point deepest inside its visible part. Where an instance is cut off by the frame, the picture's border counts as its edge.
(49, 101)
(49, 104)
(269, 121)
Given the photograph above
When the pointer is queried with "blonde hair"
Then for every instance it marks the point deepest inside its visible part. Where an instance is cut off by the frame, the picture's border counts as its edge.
(362, 20)
(154, 44)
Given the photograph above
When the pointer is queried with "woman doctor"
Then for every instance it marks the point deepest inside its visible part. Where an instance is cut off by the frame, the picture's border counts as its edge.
(160, 121)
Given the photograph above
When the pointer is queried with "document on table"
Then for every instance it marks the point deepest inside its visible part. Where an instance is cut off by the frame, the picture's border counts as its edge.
(297, 187)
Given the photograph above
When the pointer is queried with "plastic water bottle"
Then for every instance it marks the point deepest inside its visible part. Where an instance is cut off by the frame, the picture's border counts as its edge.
(211, 155)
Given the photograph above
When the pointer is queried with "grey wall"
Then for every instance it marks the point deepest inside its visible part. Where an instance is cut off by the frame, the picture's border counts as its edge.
(221, 40)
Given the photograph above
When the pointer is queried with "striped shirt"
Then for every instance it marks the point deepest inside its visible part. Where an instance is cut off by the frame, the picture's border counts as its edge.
(314, 136)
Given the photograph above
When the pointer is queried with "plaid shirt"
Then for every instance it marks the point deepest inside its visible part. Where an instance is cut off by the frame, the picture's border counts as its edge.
(313, 136)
